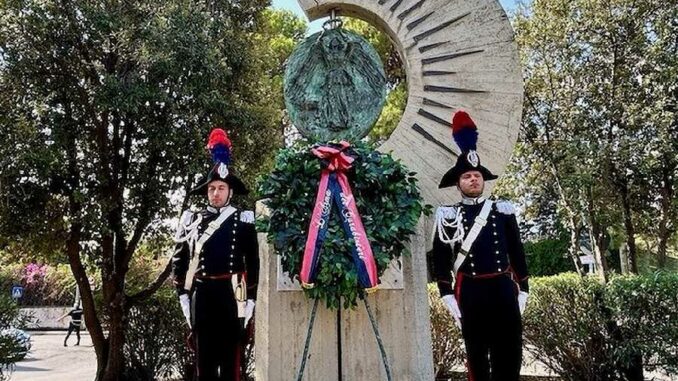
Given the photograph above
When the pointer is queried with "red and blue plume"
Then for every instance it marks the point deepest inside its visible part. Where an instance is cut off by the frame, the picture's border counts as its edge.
(464, 131)
(219, 146)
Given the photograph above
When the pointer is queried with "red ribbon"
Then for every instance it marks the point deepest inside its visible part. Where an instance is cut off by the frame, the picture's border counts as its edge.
(336, 161)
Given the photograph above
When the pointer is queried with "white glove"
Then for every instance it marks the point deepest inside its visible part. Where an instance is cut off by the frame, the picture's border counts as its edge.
(522, 301)
(249, 311)
(453, 308)
(186, 307)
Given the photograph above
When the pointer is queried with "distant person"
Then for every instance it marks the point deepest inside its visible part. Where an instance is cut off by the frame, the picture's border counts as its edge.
(74, 325)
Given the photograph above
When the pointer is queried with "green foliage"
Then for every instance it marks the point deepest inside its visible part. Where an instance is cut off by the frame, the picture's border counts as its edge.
(156, 341)
(393, 110)
(279, 31)
(583, 330)
(10, 275)
(155, 345)
(646, 312)
(145, 266)
(600, 123)
(564, 328)
(104, 113)
(52, 285)
(156, 76)
(386, 196)
(548, 257)
(276, 35)
(448, 344)
(10, 349)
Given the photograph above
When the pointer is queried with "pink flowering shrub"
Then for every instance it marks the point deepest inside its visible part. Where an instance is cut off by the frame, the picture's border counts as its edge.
(34, 275)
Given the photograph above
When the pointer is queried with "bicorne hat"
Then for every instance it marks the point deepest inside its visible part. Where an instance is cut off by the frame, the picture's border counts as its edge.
(220, 148)
(465, 134)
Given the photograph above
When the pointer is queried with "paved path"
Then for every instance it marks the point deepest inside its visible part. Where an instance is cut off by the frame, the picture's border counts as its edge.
(49, 360)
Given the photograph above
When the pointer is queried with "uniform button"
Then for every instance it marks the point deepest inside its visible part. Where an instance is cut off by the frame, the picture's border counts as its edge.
(496, 242)
(493, 224)
(498, 269)
(498, 261)
(496, 252)
(473, 273)
(473, 264)
(230, 263)
(470, 255)
(495, 233)
(203, 273)
(232, 246)
(233, 231)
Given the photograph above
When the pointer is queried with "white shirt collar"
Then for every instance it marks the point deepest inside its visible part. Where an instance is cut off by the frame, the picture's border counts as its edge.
(214, 210)
(472, 200)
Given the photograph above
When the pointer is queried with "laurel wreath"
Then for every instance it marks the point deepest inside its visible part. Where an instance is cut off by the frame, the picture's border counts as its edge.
(387, 198)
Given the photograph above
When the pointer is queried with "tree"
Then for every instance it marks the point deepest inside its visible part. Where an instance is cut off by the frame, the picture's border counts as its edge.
(279, 33)
(597, 127)
(599, 78)
(104, 110)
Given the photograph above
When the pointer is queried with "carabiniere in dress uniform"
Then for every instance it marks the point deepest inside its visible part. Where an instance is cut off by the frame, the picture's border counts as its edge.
(479, 265)
(215, 268)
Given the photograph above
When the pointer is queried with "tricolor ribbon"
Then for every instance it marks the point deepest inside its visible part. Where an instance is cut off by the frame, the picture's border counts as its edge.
(335, 189)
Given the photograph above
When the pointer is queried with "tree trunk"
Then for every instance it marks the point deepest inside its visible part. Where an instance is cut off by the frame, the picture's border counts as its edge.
(73, 251)
(623, 259)
(633, 371)
(665, 230)
(597, 237)
(89, 310)
(573, 248)
(629, 228)
(115, 361)
(573, 221)
(113, 279)
(598, 252)
(620, 183)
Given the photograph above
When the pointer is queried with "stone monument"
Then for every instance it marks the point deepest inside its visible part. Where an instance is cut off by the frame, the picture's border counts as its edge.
(457, 54)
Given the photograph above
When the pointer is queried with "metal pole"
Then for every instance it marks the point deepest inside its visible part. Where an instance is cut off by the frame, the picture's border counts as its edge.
(379, 342)
(309, 332)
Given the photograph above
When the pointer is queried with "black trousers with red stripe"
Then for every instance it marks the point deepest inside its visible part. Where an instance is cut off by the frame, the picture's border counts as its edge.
(491, 327)
(217, 331)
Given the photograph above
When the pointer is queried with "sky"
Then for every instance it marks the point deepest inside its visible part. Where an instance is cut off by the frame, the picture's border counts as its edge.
(315, 26)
